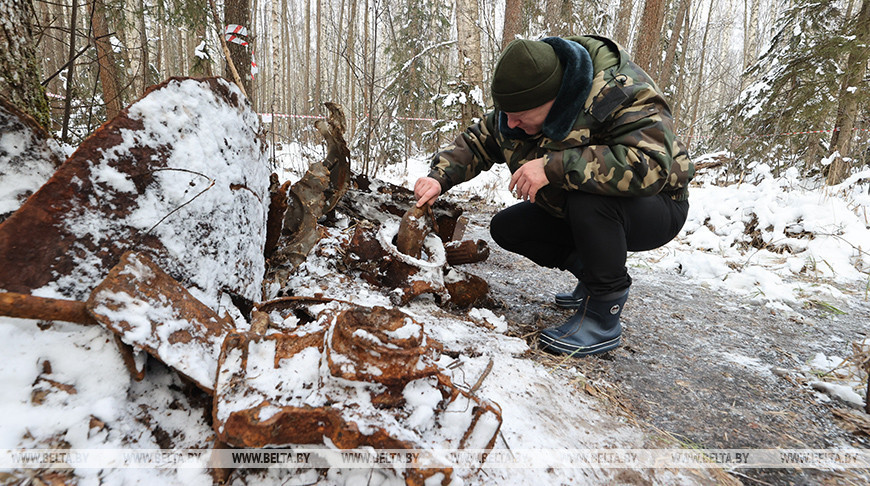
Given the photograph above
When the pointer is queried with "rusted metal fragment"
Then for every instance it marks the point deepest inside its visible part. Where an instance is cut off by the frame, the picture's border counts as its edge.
(305, 204)
(28, 157)
(380, 262)
(151, 311)
(458, 229)
(468, 251)
(379, 345)
(134, 360)
(415, 225)
(380, 201)
(465, 289)
(372, 251)
(273, 390)
(277, 208)
(337, 160)
(313, 196)
(26, 306)
(138, 182)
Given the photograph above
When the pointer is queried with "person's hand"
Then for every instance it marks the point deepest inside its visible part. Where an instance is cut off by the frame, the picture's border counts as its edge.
(528, 179)
(426, 190)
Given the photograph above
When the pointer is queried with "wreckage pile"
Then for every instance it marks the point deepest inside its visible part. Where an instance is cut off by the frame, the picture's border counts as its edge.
(167, 230)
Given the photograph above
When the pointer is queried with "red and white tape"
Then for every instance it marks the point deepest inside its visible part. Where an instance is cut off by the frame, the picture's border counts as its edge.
(234, 33)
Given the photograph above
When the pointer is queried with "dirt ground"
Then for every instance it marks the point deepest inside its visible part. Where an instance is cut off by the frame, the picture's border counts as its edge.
(698, 368)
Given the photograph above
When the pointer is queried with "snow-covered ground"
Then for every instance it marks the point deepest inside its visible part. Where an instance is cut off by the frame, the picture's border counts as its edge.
(811, 242)
(784, 242)
(781, 242)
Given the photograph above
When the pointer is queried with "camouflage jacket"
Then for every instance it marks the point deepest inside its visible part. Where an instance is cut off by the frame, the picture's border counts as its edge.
(616, 138)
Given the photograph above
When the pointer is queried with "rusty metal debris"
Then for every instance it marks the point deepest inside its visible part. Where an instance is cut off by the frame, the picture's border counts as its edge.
(466, 289)
(152, 312)
(307, 368)
(58, 220)
(148, 311)
(412, 261)
(415, 225)
(316, 194)
(337, 160)
(267, 395)
(468, 251)
(373, 253)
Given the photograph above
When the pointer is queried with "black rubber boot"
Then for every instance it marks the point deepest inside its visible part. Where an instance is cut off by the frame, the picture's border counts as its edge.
(574, 299)
(595, 328)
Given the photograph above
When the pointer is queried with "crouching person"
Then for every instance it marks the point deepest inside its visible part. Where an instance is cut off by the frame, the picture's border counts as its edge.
(590, 142)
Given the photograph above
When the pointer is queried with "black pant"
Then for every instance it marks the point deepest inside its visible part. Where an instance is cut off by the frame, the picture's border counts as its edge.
(596, 234)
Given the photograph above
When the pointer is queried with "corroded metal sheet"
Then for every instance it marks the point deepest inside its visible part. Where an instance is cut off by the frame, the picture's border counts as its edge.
(415, 225)
(313, 196)
(138, 182)
(380, 201)
(465, 289)
(150, 311)
(337, 159)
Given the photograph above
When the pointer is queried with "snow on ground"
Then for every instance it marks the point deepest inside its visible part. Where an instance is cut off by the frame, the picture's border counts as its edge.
(812, 243)
(810, 246)
(783, 242)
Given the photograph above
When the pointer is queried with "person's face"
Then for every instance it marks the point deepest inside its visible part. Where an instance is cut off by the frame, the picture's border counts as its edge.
(530, 121)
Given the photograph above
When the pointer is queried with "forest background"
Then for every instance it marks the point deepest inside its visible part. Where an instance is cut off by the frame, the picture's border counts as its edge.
(776, 81)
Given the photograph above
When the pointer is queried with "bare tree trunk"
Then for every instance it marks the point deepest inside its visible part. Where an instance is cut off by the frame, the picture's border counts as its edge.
(143, 41)
(307, 46)
(622, 31)
(59, 52)
(20, 73)
(49, 43)
(847, 110)
(668, 67)
(70, 75)
(237, 12)
(750, 29)
(696, 99)
(351, 53)
(513, 18)
(368, 89)
(318, 102)
(180, 58)
(105, 59)
(201, 67)
(275, 31)
(470, 64)
(558, 17)
(133, 44)
(333, 92)
(647, 48)
(289, 65)
(158, 56)
(681, 81)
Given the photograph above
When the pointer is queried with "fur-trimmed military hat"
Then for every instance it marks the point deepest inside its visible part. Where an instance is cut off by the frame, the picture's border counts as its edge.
(527, 75)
